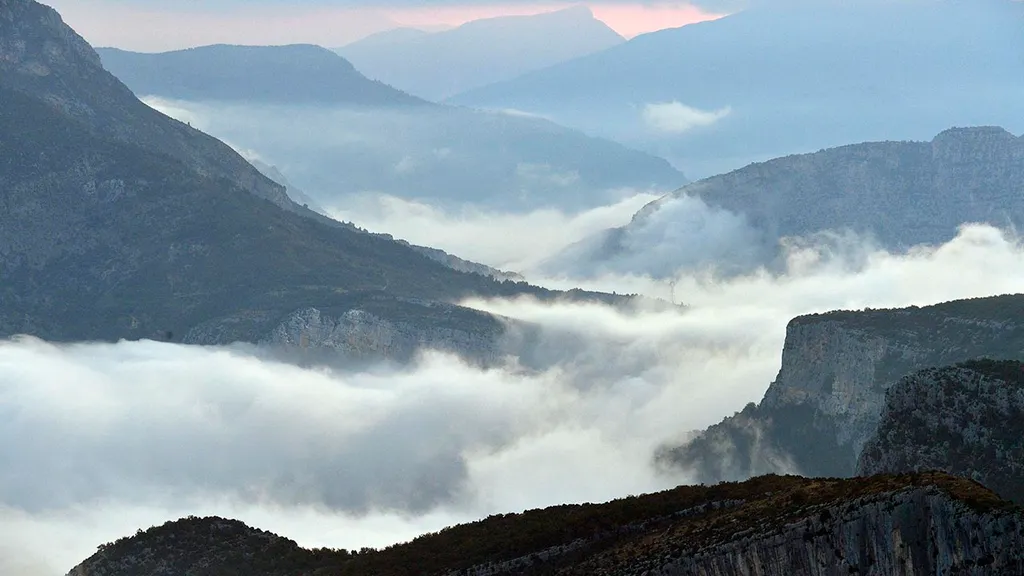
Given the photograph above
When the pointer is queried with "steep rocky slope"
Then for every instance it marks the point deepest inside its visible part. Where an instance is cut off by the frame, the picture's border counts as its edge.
(41, 56)
(118, 222)
(772, 526)
(966, 419)
(899, 194)
(827, 399)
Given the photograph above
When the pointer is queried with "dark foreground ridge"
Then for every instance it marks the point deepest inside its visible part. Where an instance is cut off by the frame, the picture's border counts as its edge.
(927, 523)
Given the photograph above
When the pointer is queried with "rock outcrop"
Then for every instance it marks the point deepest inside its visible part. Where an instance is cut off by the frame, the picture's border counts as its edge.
(966, 419)
(828, 397)
(770, 526)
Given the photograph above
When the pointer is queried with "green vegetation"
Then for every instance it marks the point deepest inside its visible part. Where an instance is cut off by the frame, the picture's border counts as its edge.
(966, 420)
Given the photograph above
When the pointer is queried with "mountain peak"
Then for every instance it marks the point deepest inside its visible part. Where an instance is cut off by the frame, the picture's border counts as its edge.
(43, 57)
(24, 24)
(580, 12)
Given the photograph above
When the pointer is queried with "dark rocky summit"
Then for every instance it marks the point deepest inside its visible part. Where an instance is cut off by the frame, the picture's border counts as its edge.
(119, 222)
(967, 420)
(826, 402)
(773, 526)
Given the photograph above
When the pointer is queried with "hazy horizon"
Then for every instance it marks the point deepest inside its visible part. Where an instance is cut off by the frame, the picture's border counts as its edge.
(157, 26)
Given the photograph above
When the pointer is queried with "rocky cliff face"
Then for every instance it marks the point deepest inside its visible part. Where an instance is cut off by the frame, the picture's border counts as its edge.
(827, 399)
(358, 334)
(967, 420)
(916, 531)
(770, 526)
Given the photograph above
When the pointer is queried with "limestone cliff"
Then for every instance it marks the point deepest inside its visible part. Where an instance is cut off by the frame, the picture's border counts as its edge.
(828, 396)
(966, 419)
(769, 526)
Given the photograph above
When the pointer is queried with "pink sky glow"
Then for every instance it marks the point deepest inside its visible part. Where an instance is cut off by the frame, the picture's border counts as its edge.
(154, 30)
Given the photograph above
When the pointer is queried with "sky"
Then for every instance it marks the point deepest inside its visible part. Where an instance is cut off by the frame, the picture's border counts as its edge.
(158, 25)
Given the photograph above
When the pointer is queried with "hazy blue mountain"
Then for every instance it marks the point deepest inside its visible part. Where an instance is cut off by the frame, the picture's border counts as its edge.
(441, 64)
(387, 38)
(896, 194)
(295, 74)
(789, 77)
(331, 149)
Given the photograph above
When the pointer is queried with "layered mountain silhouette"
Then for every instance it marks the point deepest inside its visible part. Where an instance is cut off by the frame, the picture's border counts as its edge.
(894, 194)
(334, 133)
(788, 77)
(275, 74)
(119, 222)
(773, 525)
(441, 64)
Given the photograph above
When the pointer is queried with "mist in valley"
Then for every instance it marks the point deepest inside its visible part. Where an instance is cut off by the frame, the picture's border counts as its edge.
(111, 437)
(444, 156)
(126, 435)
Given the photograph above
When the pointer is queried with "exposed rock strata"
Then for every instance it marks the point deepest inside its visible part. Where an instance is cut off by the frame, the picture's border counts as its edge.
(828, 396)
(967, 420)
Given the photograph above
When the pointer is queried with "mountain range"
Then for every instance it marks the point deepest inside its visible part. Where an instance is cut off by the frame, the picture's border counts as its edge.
(334, 133)
(119, 222)
(892, 195)
(441, 64)
(787, 77)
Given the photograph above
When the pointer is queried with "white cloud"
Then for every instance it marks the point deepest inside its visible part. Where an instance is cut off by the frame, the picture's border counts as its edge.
(515, 242)
(675, 117)
(106, 438)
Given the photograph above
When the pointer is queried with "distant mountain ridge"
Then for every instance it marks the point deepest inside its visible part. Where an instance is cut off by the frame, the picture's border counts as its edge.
(772, 526)
(332, 147)
(273, 74)
(899, 194)
(441, 64)
(787, 77)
